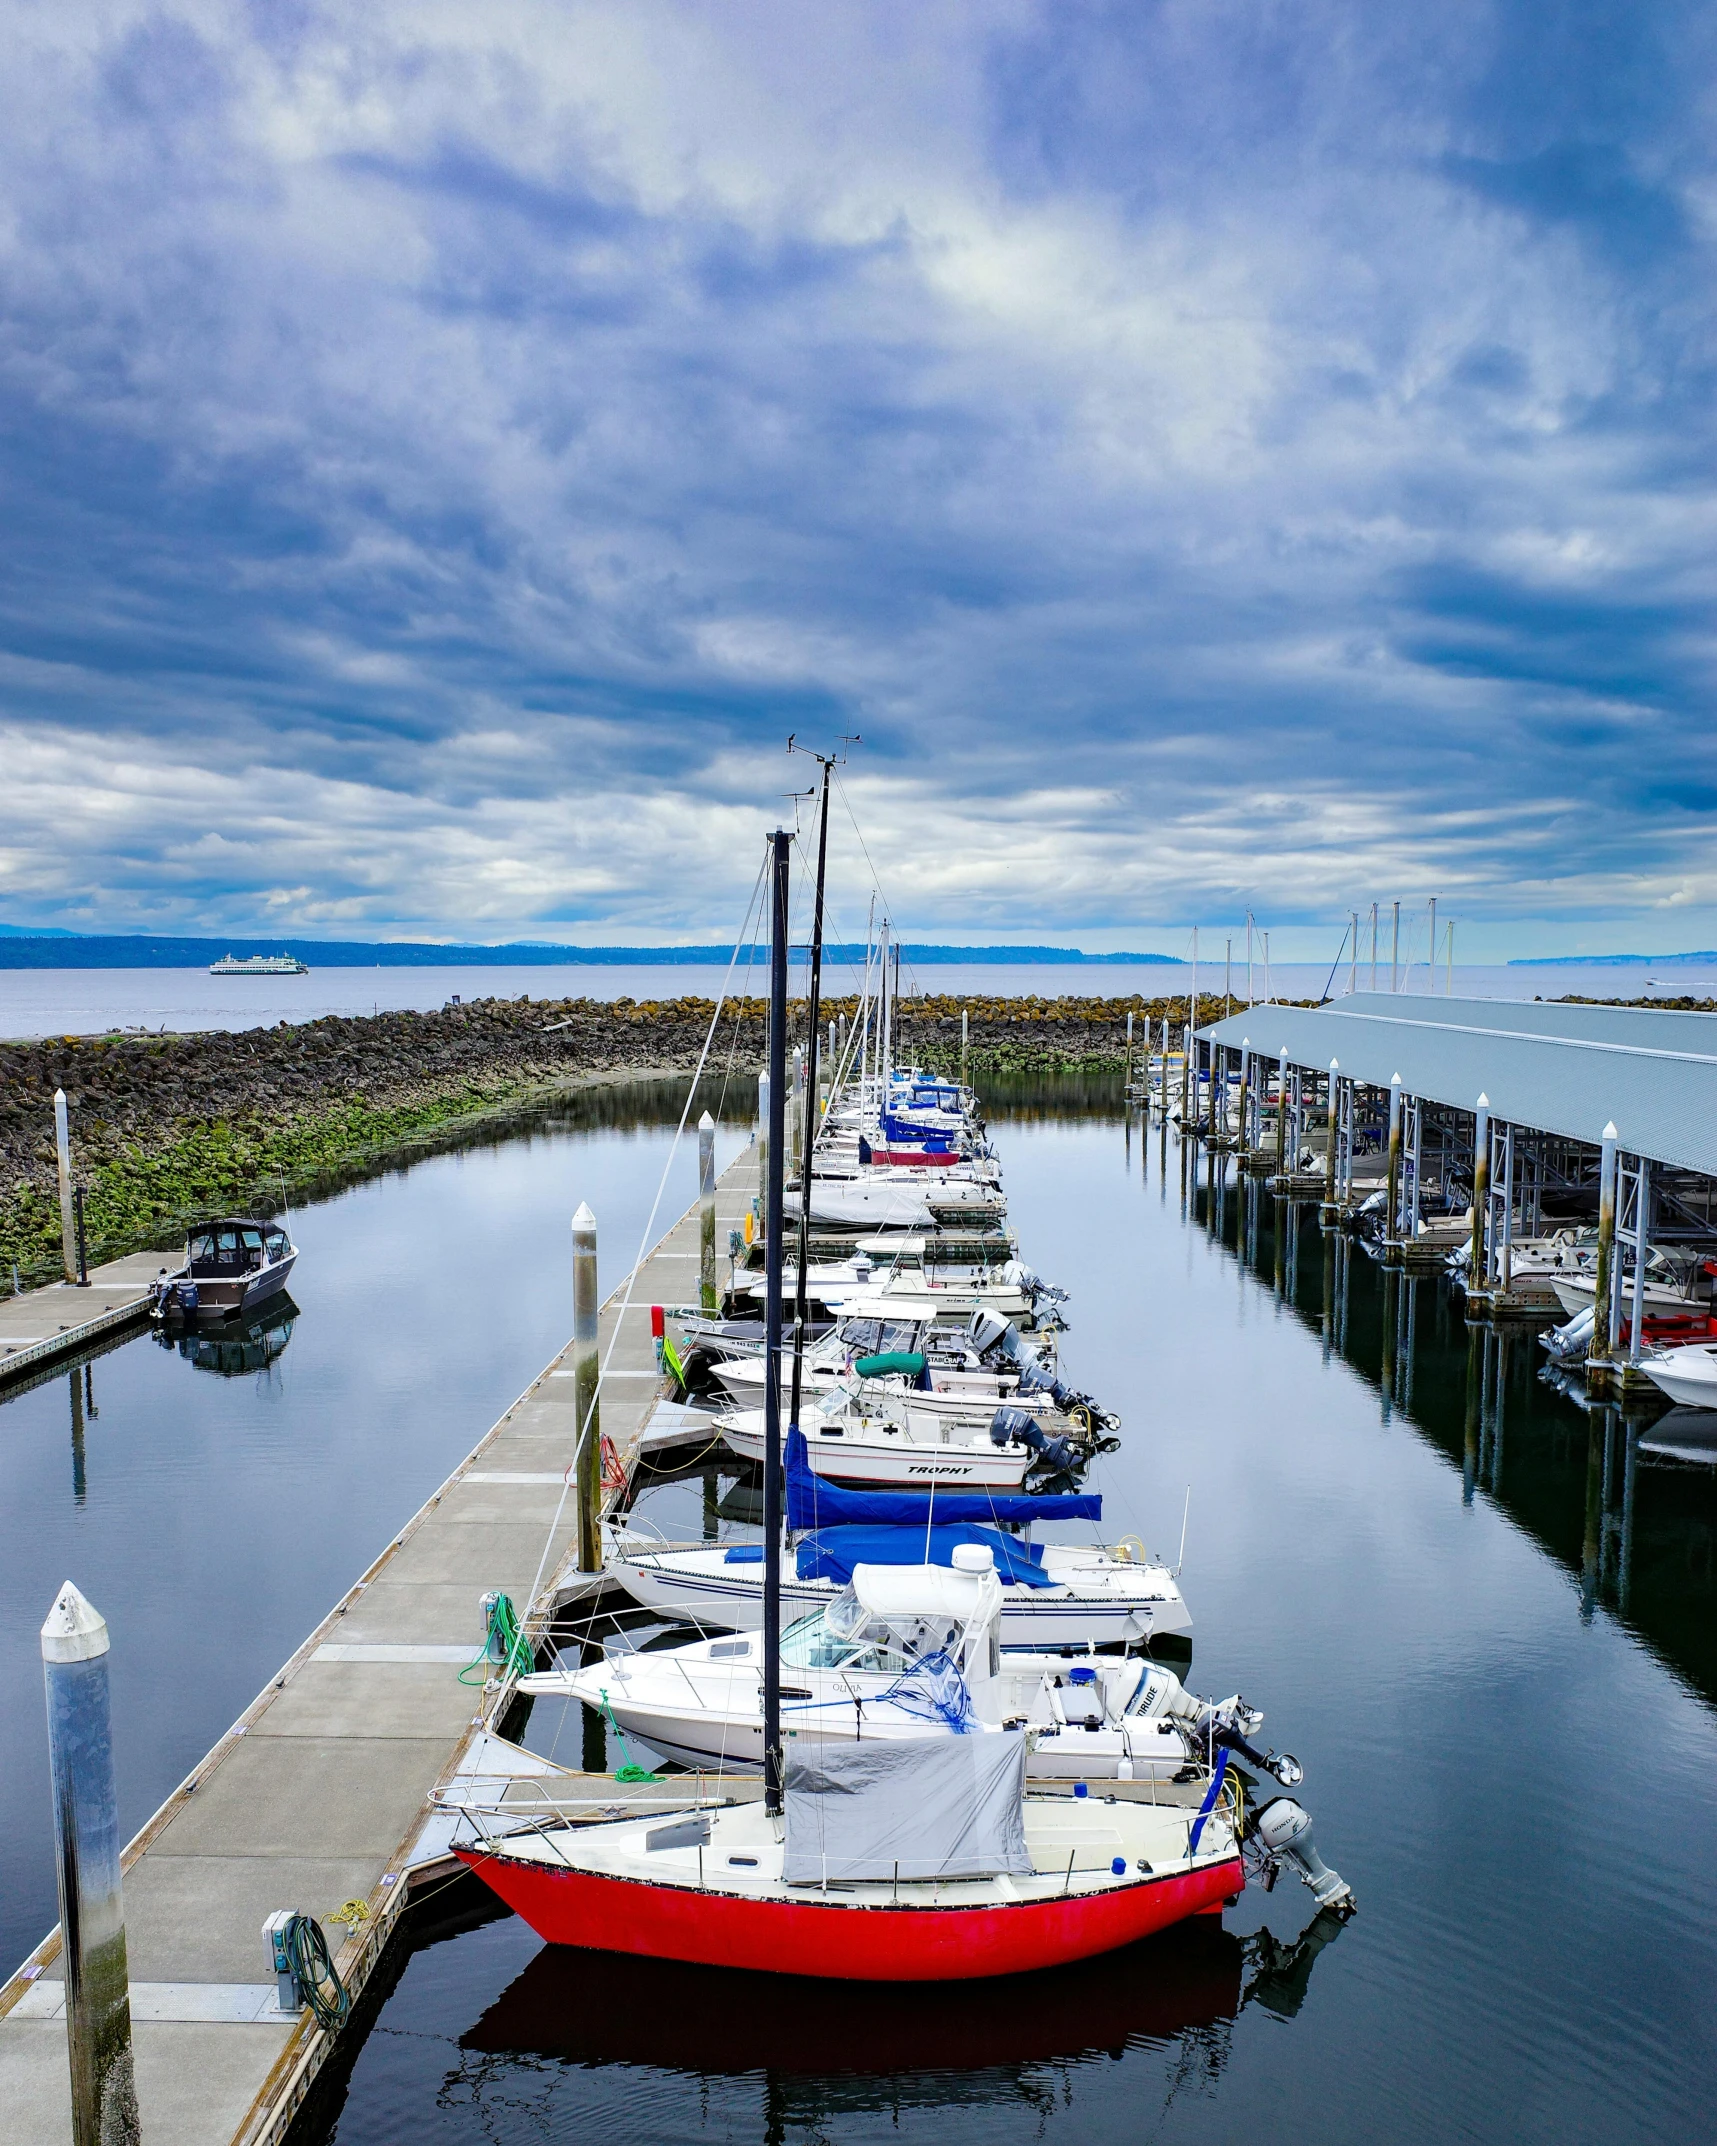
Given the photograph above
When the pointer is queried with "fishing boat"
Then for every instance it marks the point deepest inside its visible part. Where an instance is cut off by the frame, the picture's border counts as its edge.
(901, 1647)
(230, 1266)
(1675, 1282)
(259, 965)
(883, 1443)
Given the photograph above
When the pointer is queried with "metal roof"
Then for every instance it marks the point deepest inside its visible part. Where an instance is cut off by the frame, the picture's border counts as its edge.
(1553, 1066)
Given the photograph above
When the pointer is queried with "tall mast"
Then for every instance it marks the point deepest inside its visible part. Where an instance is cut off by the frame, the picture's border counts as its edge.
(809, 1143)
(780, 844)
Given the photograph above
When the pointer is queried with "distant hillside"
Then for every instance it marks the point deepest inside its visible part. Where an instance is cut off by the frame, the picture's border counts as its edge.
(1607, 961)
(73, 950)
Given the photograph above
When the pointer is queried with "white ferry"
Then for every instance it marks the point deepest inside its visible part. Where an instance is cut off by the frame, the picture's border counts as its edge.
(259, 965)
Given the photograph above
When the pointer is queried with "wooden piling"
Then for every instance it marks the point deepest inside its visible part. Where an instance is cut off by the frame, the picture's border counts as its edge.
(1476, 1270)
(1392, 1198)
(706, 1213)
(587, 1407)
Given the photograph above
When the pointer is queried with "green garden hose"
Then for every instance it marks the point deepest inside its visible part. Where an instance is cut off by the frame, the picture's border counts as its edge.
(318, 1977)
(504, 1646)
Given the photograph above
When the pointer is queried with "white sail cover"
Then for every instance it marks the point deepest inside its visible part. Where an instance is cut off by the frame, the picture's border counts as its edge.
(920, 1807)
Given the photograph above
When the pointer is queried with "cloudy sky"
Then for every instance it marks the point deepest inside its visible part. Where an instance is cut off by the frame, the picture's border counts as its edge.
(1216, 455)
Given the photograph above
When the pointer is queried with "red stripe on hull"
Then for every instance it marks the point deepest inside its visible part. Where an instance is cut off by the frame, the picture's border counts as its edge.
(849, 1944)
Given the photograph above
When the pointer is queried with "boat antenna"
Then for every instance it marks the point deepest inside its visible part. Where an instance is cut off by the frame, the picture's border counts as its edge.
(780, 847)
(808, 1131)
(1185, 1514)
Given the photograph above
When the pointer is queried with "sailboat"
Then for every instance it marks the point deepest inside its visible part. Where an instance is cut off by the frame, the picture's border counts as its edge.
(907, 1859)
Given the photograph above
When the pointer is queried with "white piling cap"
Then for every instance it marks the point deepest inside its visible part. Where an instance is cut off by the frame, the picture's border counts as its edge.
(1394, 1080)
(584, 1219)
(74, 1631)
(706, 1124)
(1609, 1132)
(1335, 1065)
(1484, 1102)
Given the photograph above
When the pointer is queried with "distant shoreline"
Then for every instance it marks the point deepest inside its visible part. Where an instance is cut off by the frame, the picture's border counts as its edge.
(136, 951)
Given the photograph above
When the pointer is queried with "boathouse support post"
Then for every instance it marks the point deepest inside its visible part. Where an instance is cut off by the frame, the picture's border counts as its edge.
(68, 1220)
(965, 1034)
(1392, 1198)
(1130, 1050)
(1329, 1148)
(1282, 1111)
(1642, 1240)
(1599, 1350)
(1481, 1193)
(1245, 1126)
(586, 1399)
(706, 1212)
(92, 1902)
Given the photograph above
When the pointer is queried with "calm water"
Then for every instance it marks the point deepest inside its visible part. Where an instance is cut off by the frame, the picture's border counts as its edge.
(214, 1520)
(1487, 1631)
(53, 1002)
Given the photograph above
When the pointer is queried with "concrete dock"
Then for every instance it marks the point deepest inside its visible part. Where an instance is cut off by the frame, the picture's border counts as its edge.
(42, 1324)
(328, 1792)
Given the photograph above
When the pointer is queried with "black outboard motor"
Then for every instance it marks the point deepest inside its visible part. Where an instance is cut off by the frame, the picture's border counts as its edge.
(1016, 1426)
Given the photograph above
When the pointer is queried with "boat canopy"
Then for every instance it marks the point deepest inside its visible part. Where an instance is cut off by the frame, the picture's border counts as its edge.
(813, 1503)
(833, 1553)
(912, 1807)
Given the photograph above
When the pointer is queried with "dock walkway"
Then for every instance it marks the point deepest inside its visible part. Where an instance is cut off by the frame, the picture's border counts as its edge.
(41, 1324)
(324, 1791)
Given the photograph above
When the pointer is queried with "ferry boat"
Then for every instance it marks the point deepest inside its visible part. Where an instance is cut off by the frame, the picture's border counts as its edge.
(259, 965)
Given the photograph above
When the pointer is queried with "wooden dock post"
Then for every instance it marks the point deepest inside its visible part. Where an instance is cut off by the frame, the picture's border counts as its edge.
(1130, 1050)
(1477, 1274)
(92, 1902)
(706, 1213)
(586, 1401)
(965, 1034)
(68, 1220)
(1598, 1351)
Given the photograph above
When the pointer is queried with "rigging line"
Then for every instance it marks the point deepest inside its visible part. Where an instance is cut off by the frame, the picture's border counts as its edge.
(739, 1006)
(1334, 965)
(632, 1277)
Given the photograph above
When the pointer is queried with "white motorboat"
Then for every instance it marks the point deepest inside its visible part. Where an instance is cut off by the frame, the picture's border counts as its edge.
(893, 1442)
(1089, 1594)
(1669, 1289)
(1687, 1375)
(903, 1649)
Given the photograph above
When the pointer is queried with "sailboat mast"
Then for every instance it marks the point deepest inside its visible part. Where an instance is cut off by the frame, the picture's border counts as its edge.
(780, 845)
(814, 1012)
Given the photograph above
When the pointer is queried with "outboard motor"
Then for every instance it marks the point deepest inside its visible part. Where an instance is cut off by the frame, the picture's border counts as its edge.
(1283, 1830)
(1015, 1426)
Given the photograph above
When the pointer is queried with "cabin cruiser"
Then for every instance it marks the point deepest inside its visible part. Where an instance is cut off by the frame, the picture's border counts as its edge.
(900, 1648)
(230, 1266)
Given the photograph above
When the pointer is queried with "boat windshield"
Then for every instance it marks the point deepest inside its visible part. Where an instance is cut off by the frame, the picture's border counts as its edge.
(840, 1637)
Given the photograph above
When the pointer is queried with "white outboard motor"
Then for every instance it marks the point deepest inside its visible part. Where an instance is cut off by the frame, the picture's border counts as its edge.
(1284, 1828)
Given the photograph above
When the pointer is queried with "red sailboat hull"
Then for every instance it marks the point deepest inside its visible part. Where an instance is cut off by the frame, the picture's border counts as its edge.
(843, 1941)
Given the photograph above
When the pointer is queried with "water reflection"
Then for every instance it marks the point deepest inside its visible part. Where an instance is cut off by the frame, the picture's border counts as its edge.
(239, 1348)
(1624, 1498)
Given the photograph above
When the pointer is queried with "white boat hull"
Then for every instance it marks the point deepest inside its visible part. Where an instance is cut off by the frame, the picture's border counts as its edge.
(1104, 1604)
(858, 1453)
(1687, 1375)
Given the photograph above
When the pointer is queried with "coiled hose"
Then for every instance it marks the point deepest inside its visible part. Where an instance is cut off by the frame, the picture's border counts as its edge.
(504, 1645)
(326, 1995)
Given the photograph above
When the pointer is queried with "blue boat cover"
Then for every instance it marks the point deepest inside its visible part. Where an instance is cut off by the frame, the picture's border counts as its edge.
(813, 1503)
(831, 1553)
